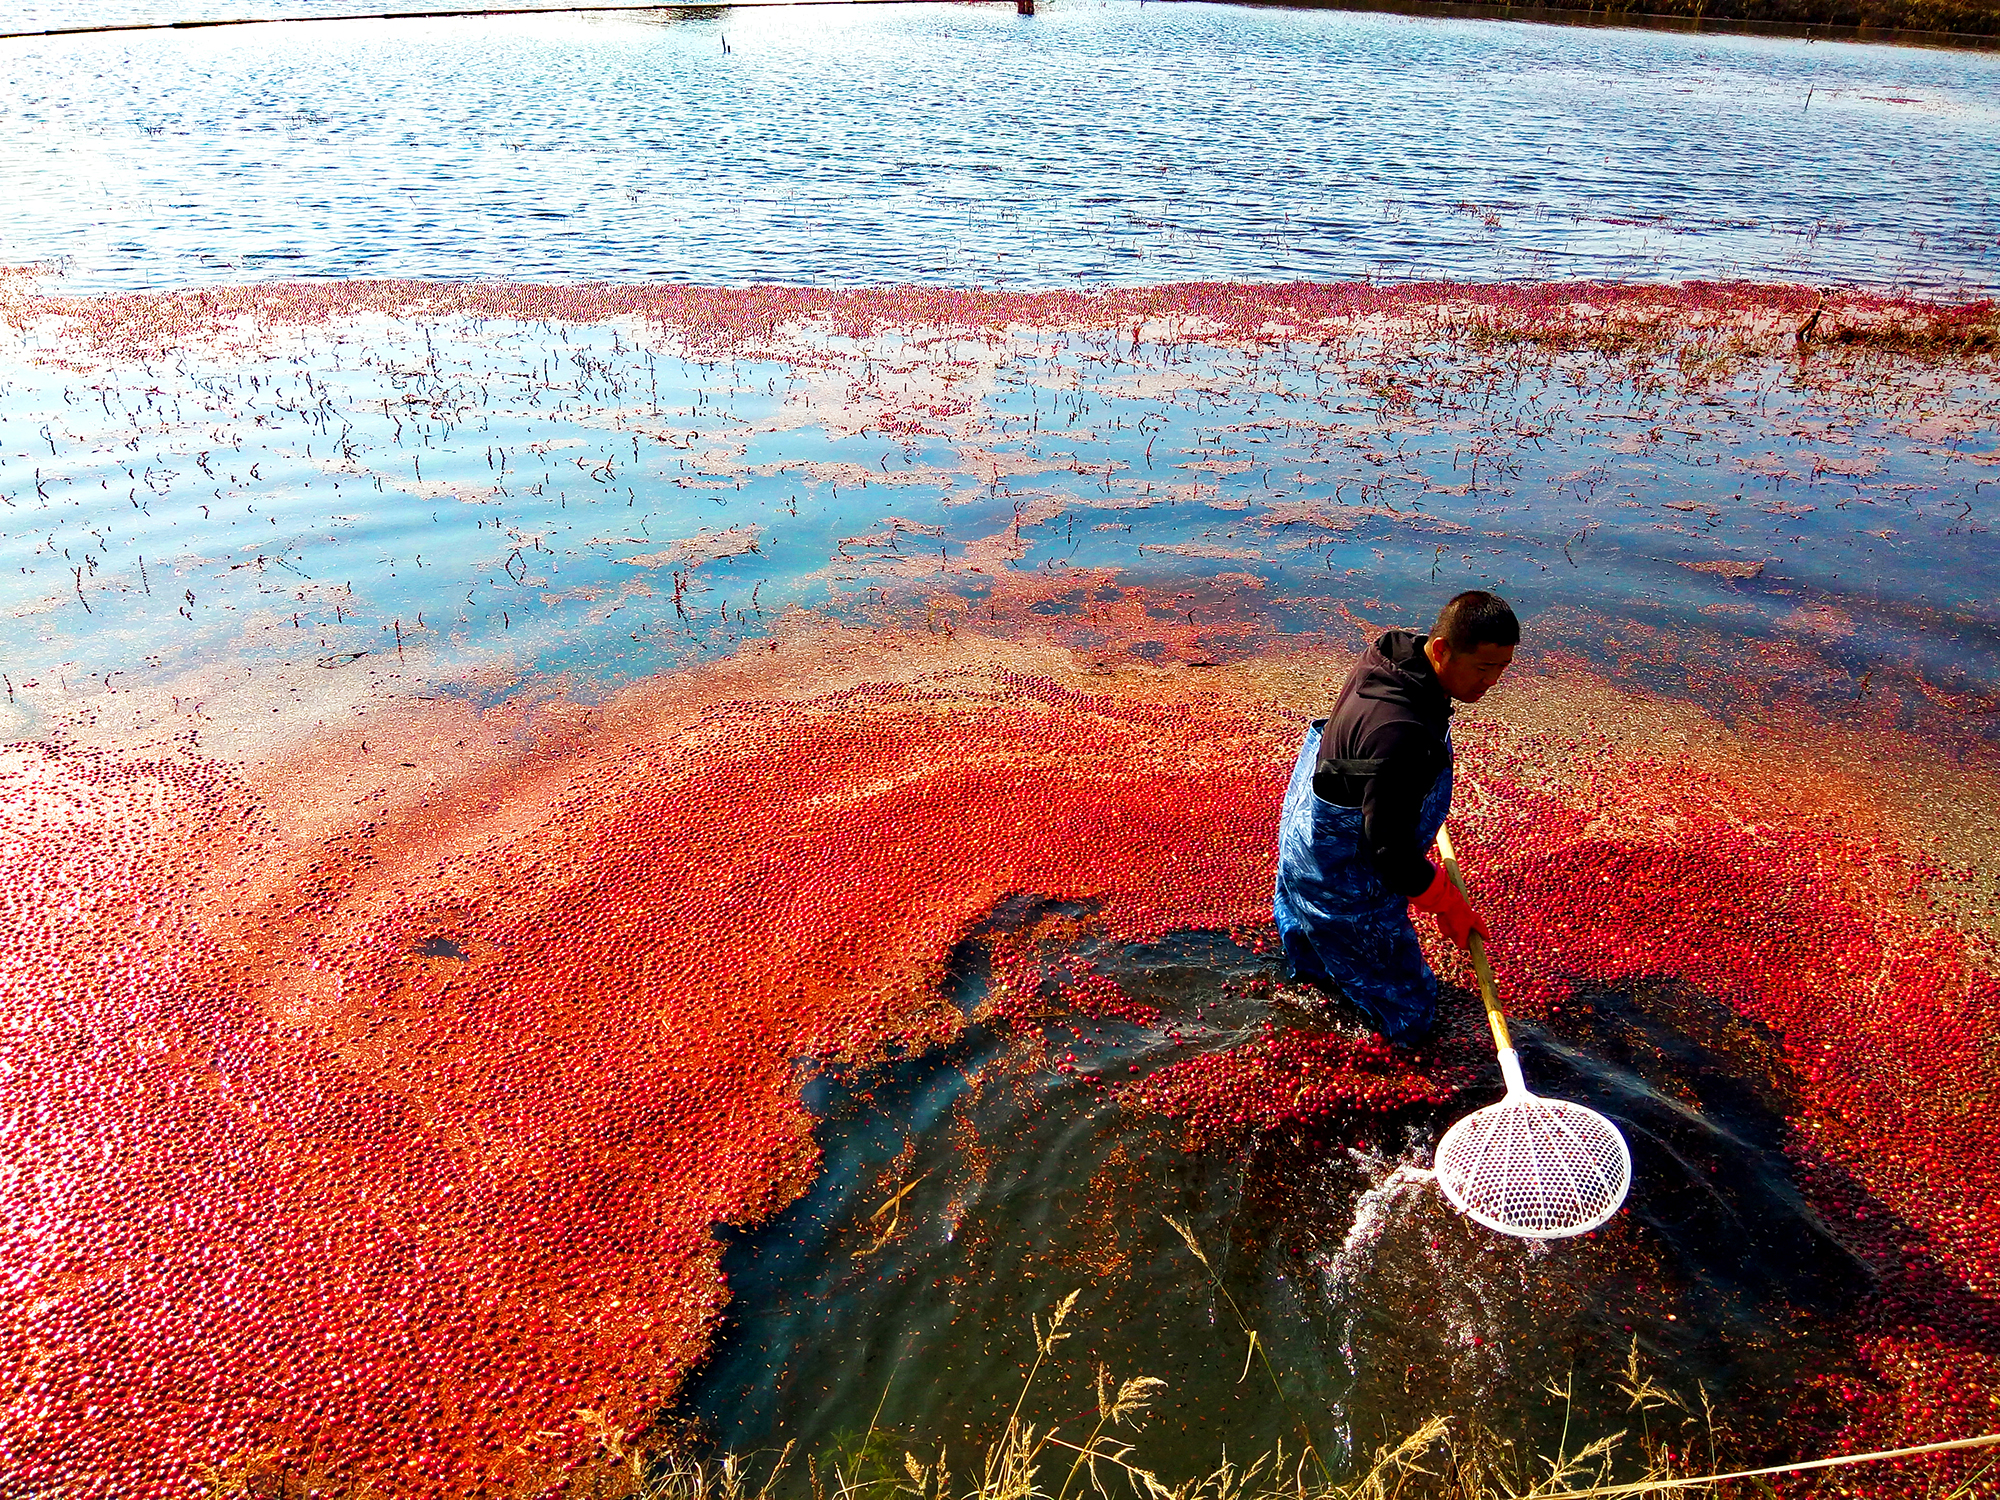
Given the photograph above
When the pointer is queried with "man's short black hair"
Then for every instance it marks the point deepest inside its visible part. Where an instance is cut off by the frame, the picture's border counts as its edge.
(1476, 618)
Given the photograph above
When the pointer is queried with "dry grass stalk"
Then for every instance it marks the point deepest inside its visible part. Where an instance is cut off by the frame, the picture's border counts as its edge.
(1431, 1463)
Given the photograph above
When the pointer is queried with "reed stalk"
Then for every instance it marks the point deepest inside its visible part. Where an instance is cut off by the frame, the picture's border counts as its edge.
(1442, 1459)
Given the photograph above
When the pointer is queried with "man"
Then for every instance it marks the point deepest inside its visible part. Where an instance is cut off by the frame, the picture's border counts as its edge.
(1369, 793)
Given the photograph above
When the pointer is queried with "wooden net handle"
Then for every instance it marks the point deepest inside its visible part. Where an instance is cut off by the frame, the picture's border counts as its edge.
(1488, 991)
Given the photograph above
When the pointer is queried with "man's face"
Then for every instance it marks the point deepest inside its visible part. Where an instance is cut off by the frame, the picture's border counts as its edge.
(1466, 675)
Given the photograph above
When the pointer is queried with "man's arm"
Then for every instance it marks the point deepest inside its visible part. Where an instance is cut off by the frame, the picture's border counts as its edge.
(1392, 800)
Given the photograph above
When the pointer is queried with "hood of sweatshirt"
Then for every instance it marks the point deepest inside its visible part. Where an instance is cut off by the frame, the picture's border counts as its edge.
(1395, 670)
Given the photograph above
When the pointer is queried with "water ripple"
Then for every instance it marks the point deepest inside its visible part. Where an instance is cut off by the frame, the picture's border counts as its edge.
(1095, 144)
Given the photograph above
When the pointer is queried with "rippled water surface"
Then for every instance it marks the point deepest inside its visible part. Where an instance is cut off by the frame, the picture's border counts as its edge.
(962, 144)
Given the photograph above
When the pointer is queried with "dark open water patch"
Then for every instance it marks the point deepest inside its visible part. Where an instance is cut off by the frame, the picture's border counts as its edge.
(1023, 1184)
(966, 1191)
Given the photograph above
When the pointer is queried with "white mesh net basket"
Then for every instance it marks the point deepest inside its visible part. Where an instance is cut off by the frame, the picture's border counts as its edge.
(1535, 1167)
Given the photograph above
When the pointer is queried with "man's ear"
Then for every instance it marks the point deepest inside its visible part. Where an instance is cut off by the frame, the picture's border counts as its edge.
(1437, 652)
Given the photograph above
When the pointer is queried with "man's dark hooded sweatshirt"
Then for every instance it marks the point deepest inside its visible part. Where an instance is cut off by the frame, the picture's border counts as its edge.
(1368, 794)
(1381, 751)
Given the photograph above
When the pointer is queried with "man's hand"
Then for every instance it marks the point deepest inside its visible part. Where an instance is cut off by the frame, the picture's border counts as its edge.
(1455, 915)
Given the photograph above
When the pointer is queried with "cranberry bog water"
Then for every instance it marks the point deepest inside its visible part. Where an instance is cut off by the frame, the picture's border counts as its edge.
(784, 898)
(761, 945)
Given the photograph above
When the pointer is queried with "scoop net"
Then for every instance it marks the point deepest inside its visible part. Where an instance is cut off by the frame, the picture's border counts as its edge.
(1539, 1168)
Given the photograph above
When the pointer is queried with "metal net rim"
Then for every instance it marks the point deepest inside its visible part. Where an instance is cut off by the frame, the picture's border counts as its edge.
(1613, 1190)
